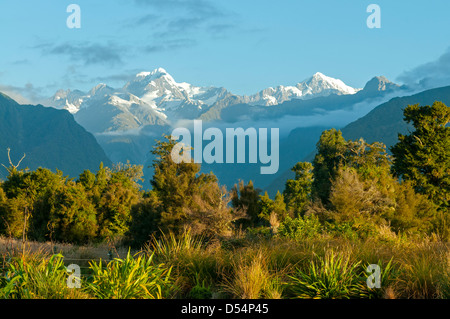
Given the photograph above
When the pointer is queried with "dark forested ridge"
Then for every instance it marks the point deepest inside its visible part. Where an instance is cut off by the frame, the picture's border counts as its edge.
(384, 122)
(50, 138)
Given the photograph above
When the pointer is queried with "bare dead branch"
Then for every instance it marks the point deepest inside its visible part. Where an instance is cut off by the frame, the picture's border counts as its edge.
(14, 167)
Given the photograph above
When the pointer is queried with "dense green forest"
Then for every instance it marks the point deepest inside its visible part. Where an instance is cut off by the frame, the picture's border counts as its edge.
(353, 193)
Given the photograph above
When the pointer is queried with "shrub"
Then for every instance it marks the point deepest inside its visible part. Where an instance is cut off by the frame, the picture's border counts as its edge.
(330, 277)
(259, 232)
(72, 216)
(144, 219)
(130, 278)
(300, 228)
(192, 262)
(209, 214)
(201, 290)
(353, 197)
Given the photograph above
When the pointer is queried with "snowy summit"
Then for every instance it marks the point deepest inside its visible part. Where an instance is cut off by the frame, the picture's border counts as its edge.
(158, 90)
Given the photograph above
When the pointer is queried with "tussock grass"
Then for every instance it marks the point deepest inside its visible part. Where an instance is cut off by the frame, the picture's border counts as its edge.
(130, 278)
(329, 277)
(36, 275)
(251, 277)
(320, 267)
(193, 260)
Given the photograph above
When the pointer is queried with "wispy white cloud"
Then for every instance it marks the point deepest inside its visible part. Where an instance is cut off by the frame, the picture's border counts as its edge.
(87, 53)
(432, 74)
(178, 24)
(27, 94)
(169, 44)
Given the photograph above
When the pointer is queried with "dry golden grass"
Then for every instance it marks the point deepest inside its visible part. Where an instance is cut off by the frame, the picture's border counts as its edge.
(72, 253)
(251, 278)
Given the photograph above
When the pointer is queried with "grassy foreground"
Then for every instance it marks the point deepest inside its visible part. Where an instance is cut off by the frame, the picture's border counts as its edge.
(239, 267)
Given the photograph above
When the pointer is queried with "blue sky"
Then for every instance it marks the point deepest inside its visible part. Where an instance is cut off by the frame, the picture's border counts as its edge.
(243, 45)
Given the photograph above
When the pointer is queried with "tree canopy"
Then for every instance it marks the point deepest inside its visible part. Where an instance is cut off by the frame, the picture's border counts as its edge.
(423, 156)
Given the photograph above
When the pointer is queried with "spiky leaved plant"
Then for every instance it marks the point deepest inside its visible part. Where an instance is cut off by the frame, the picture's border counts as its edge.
(135, 277)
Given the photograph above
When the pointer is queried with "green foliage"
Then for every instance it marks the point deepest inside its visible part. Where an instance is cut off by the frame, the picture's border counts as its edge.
(423, 156)
(173, 183)
(3, 208)
(297, 192)
(192, 263)
(370, 161)
(119, 192)
(413, 212)
(104, 200)
(352, 197)
(314, 267)
(185, 195)
(130, 278)
(300, 228)
(371, 202)
(245, 198)
(12, 217)
(88, 179)
(145, 219)
(201, 290)
(34, 277)
(330, 150)
(423, 276)
(51, 207)
(259, 232)
(361, 190)
(441, 225)
(389, 273)
(347, 230)
(170, 246)
(25, 192)
(272, 210)
(72, 217)
(210, 214)
(332, 277)
(266, 206)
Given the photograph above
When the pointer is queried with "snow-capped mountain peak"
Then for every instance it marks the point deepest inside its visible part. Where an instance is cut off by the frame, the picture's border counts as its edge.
(158, 90)
(319, 75)
(156, 74)
(101, 90)
(152, 85)
(143, 74)
(315, 86)
(66, 99)
(320, 84)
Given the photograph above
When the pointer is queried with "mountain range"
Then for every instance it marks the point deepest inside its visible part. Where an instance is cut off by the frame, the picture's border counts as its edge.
(156, 98)
(127, 121)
